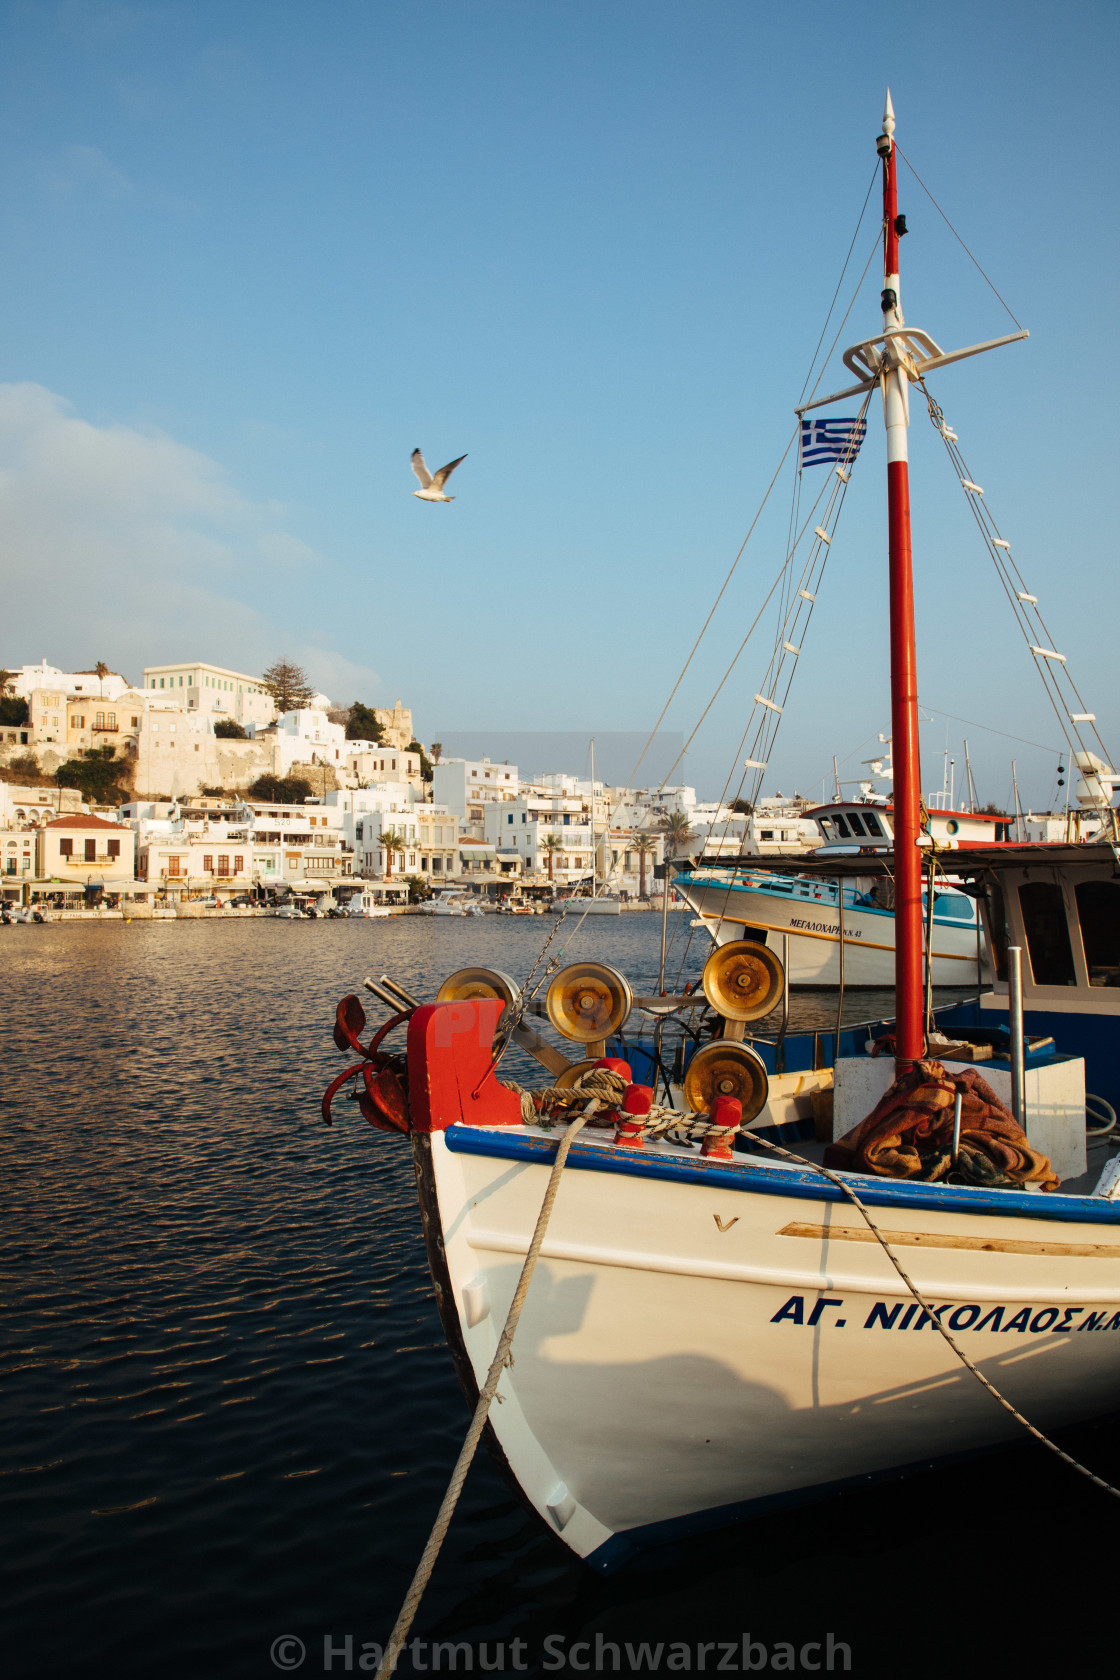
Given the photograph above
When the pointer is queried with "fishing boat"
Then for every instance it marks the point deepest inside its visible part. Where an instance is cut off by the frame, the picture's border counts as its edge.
(715, 1327)
(806, 914)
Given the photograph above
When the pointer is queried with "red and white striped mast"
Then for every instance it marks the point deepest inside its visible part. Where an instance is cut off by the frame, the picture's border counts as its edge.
(909, 1025)
(897, 355)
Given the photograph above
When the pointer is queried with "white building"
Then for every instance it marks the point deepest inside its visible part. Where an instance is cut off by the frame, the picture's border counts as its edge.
(88, 684)
(428, 836)
(213, 690)
(468, 786)
(297, 847)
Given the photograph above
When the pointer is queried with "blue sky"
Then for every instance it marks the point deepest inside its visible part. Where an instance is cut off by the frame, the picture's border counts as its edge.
(251, 255)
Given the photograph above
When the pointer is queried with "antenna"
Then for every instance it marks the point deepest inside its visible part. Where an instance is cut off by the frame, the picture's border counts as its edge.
(971, 784)
(836, 793)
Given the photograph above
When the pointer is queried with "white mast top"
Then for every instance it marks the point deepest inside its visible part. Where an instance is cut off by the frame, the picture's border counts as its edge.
(888, 116)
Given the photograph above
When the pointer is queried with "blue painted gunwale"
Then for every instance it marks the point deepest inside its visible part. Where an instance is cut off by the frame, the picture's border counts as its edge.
(800, 1183)
(827, 896)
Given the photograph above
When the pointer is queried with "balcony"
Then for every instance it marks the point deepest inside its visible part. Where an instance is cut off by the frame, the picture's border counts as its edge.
(105, 729)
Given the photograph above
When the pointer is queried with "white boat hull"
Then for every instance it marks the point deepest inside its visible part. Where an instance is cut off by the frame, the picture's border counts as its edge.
(694, 1347)
(812, 927)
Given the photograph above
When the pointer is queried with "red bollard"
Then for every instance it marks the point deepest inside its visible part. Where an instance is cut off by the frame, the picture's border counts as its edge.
(725, 1112)
(636, 1104)
(611, 1064)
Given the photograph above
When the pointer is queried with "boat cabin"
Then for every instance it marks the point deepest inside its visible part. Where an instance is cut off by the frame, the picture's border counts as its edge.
(853, 825)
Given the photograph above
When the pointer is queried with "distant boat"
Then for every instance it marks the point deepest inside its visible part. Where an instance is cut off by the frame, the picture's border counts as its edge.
(737, 901)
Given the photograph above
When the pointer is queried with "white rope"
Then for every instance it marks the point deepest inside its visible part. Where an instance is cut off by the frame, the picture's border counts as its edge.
(502, 1358)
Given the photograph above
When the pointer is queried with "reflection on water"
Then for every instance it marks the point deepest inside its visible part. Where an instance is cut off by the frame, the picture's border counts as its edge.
(229, 1410)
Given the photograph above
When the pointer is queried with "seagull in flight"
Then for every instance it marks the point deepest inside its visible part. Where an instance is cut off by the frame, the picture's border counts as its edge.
(431, 488)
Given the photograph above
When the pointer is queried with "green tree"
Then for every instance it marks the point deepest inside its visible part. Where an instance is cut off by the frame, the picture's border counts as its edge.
(425, 761)
(281, 790)
(418, 889)
(287, 685)
(437, 751)
(101, 671)
(5, 680)
(100, 776)
(226, 730)
(550, 845)
(392, 843)
(643, 845)
(13, 710)
(677, 830)
(362, 724)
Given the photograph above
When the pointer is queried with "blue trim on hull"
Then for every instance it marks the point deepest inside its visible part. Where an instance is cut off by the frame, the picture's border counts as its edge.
(801, 1183)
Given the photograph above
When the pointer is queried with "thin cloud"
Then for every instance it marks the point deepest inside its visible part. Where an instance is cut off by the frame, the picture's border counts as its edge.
(129, 546)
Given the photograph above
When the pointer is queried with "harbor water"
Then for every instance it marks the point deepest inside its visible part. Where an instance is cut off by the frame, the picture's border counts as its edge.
(229, 1413)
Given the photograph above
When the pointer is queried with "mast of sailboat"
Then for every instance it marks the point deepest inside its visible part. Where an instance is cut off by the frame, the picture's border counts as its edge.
(904, 671)
(594, 853)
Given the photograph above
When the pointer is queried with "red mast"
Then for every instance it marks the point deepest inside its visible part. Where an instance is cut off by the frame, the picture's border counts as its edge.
(909, 1027)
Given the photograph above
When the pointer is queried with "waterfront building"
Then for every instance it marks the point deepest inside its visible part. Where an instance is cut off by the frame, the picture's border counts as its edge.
(85, 851)
(429, 836)
(213, 691)
(252, 844)
(521, 827)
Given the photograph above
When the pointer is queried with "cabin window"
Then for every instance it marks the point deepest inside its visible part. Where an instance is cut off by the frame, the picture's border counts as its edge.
(952, 906)
(872, 824)
(1098, 911)
(856, 825)
(841, 826)
(1044, 918)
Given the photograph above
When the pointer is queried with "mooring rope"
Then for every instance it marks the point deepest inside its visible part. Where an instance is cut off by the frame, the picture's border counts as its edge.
(502, 1358)
(932, 1315)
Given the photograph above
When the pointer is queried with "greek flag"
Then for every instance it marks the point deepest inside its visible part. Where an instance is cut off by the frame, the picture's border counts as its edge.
(830, 440)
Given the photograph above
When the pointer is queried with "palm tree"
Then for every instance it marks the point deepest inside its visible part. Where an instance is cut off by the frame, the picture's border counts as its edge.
(643, 845)
(101, 670)
(550, 845)
(676, 829)
(392, 843)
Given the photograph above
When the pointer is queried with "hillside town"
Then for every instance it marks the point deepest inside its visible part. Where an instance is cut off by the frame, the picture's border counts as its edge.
(202, 789)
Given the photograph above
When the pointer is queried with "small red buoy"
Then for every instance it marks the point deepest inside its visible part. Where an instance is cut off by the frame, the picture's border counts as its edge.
(636, 1104)
(611, 1064)
(724, 1112)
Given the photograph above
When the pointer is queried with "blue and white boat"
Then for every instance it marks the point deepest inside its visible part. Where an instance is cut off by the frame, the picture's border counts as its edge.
(828, 936)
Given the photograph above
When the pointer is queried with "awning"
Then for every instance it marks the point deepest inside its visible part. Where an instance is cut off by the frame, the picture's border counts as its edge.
(479, 851)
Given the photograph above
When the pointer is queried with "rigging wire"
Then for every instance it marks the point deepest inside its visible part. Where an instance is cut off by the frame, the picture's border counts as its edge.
(843, 271)
(954, 232)
(1032, 626)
